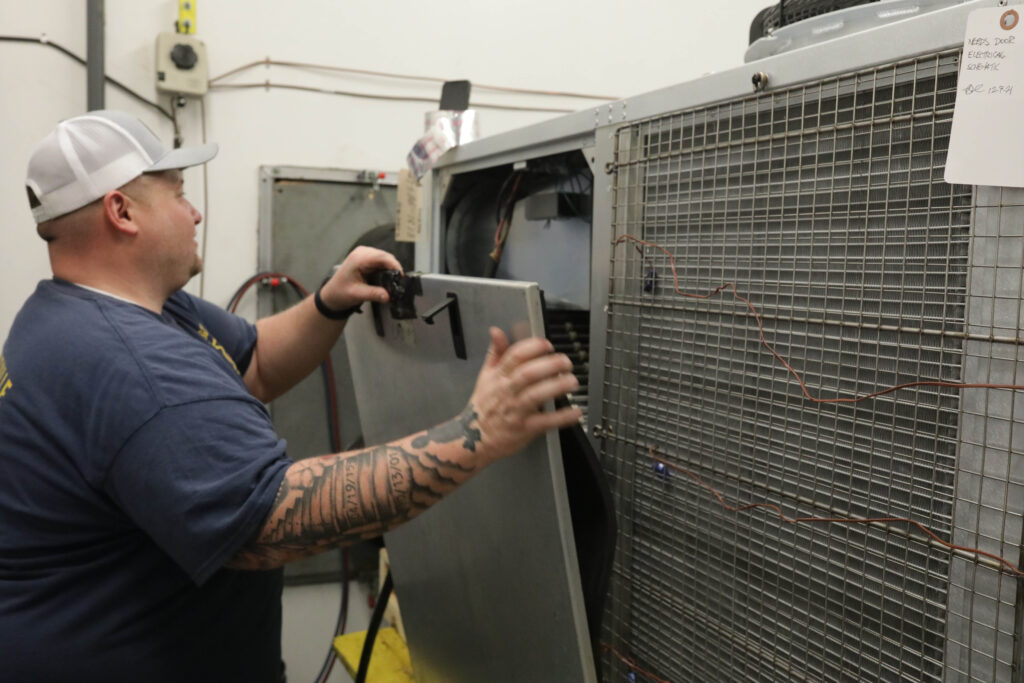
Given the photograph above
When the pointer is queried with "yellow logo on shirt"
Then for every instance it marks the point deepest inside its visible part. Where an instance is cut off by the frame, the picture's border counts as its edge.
(212, 341)
(5, 378)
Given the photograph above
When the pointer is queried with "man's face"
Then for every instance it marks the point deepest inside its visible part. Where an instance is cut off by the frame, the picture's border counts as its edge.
(169, 222)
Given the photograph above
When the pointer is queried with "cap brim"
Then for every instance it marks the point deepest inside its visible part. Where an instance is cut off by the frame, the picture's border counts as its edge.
(183, 157)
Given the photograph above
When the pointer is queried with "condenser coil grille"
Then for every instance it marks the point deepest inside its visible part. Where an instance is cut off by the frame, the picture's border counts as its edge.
(824, 206)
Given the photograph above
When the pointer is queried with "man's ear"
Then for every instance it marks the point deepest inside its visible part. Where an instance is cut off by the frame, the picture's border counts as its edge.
(119, 210)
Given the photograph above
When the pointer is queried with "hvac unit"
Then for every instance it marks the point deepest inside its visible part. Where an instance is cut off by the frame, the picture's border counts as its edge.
(741, 260)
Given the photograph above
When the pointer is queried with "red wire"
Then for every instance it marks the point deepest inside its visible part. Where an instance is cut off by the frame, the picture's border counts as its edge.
(835, 520)
(631, 664)
(501, 234)
(498, 234)
(262, 276)
(841, 399)
(332, 394)
(796, 375)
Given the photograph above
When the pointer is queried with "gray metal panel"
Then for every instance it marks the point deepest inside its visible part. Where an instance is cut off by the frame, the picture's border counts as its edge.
(489, 152)
(930, 32)
(315, 224)
(831, 25)
(271, 174)
(310, 219)
(986, 606)
(487, 579)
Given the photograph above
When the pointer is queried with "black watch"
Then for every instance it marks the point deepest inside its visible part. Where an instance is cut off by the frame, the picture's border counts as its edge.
(330, 313)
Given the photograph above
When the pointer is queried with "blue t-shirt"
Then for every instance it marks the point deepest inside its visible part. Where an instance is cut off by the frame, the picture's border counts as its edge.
(133, 464)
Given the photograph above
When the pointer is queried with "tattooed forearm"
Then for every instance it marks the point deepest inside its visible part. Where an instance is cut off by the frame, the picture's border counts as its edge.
(453, 430)
(441, 463)
(335, 499)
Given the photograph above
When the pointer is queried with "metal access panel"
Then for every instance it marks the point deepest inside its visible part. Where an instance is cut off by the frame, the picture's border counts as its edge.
(309, 220)
(487, 579)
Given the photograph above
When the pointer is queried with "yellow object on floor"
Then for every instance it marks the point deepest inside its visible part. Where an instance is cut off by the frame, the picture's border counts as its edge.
(389, 662)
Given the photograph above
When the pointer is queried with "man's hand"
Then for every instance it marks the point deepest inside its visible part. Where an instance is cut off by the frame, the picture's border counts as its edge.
(511, 389)
(293, 342)
(339, 498)
(348, 287)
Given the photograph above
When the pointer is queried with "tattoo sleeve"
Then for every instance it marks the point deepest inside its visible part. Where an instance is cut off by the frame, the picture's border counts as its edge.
(336, 499)
(459, 428)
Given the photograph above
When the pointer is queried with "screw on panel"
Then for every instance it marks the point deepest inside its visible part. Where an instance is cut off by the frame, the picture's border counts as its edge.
(760, 81)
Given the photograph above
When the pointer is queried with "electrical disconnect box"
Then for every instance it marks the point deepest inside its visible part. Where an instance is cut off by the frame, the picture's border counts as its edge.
(181, 65)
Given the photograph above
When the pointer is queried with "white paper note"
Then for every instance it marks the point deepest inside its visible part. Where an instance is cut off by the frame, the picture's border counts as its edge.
(985, 147)
(407, 220)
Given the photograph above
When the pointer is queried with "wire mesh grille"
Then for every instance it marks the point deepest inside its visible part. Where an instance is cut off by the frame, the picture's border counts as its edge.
(824, 205)
(986, 614)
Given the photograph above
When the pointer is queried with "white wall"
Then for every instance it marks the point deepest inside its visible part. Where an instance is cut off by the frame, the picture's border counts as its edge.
(608, 47)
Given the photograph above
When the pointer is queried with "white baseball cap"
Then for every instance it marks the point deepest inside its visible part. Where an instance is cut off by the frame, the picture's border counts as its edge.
(87, 156)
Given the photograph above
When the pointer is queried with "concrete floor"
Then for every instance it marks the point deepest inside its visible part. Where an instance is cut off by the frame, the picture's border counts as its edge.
(310, 614)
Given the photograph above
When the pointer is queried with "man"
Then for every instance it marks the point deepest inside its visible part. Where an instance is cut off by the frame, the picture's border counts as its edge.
(143, 493)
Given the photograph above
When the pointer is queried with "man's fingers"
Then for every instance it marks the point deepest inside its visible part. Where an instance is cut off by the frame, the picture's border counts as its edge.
(564, 417)
(365, 260)
(538, 369)
(539, 392)
(497, 349)
(523, 351)
(363, 292)
(378, 260)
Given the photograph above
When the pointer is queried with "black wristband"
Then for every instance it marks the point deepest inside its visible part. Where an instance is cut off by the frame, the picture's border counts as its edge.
(330, 313)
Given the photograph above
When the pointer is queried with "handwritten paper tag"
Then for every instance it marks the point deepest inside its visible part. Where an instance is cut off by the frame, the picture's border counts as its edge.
(407, 220)
(984, 148)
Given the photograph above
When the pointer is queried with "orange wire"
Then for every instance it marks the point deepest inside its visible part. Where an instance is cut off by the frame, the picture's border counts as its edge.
(631, 664)
(504, 225)
(839, 399)
(796, 375)
(835, 520)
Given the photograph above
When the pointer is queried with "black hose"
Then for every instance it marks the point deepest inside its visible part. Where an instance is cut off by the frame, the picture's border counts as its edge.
(339, 627)
(371, 631)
